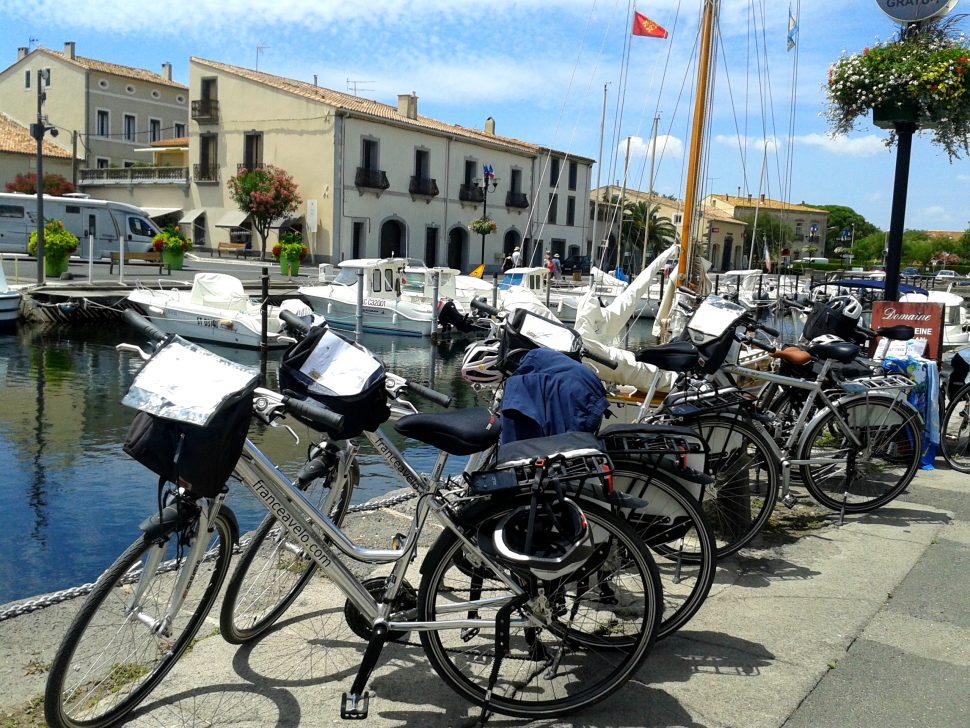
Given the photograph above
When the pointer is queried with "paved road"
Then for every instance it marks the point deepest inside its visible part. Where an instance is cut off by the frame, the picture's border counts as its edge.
(864, 625)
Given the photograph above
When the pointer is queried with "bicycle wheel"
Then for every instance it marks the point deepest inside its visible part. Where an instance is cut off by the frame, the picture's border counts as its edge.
(582, 641)
(114, 653)
(955, 431)
(742, 461)
(867, 477)
(273, 570)
(673, 526)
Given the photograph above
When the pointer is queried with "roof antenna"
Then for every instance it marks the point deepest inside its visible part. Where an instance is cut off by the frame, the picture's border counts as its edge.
(351, 82)
(30, 43)
(259, 49)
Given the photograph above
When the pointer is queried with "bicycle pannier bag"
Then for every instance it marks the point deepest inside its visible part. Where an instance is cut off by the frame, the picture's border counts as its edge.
(195, 412)
(340, 375)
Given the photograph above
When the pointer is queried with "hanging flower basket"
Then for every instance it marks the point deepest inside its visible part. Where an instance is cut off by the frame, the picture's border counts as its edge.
(483, 226)
(923, 78)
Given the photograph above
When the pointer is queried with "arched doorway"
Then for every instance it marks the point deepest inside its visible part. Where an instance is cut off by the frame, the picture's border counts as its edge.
(458, 248)
(512, 241)
(393, 240)
(727, 259)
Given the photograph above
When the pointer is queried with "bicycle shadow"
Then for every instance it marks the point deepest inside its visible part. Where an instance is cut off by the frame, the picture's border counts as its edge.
(757, 572)
(220, 704)
(903, 516)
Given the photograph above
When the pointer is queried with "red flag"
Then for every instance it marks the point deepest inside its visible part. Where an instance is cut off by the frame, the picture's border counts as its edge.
(642, 25)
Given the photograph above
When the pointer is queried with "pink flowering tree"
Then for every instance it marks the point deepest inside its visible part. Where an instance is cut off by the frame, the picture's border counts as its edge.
(267, 194)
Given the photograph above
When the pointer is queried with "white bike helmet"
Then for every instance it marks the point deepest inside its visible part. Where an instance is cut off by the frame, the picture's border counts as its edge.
(848, 306)
(551, 543)
(479, 364)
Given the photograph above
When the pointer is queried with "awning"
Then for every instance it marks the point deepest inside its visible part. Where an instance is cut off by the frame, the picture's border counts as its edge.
(154, 212)
(233, 219)
(286, 223)
(190, 216)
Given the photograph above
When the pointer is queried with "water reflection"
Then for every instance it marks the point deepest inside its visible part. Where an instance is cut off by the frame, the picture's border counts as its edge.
(72, 500)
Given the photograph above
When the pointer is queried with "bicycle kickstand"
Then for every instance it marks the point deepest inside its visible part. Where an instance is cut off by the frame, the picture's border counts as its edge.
(353, 705)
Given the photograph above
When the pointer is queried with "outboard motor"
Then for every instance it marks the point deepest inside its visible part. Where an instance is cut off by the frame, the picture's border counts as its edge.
(449, 315)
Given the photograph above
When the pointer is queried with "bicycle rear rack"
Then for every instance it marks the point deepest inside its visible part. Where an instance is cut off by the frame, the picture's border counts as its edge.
(877, 384)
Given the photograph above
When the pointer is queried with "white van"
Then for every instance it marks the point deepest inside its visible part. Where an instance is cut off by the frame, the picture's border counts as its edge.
(107, 221)
(813, 260)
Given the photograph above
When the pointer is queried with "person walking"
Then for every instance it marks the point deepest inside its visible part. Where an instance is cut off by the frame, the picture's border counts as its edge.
(556, 267)
(507, 264)
(516, 257)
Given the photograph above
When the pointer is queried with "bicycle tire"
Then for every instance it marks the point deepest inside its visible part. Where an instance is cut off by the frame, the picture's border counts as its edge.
(955, 431)
(272, 572)
(555, 681)
(674, 527)
(77, 697)
(890, 455)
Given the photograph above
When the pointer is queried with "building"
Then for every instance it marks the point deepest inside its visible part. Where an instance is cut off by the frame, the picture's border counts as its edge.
(809, 223)
(18, 153)
(104, 111)
(377, 180)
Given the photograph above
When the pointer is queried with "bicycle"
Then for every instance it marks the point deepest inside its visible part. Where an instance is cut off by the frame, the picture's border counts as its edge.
(583, 631)
(955, 431)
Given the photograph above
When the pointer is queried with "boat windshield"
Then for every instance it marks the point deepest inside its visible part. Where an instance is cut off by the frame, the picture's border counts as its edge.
(346, 277)
(510, 280)
(412, 282)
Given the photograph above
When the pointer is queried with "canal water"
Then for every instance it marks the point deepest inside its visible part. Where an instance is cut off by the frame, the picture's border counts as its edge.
(71, 500)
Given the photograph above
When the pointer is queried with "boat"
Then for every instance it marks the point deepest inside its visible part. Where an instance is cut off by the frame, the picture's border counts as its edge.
(9, 301)
(956, 318)
(383, 309)
(216, 309)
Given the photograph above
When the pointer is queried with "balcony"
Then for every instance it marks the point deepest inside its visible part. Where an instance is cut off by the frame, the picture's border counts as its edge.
(371, 179)
(205, 173)
(205, 111)
(470, 193)
(516, 199)
(134, 176)
(423, 187)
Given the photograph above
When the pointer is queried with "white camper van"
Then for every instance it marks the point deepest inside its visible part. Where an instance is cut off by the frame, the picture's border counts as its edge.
(107, 221)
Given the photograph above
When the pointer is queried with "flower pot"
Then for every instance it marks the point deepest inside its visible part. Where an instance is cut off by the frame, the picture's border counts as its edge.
(888, 115)
(54, 266)
(289, 267)
(173, 260)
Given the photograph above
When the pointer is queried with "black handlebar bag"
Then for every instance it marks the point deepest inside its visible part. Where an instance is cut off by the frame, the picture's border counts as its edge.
(342, 376)
(194, 413)
(524, 331)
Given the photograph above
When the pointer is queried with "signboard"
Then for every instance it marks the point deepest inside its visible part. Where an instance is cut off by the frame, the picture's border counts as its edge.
(713, 229)
(311, 215)
(925, 318)
(914, 11)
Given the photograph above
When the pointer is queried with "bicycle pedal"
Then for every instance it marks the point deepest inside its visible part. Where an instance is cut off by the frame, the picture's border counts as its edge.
(789, 501)
(354, 707)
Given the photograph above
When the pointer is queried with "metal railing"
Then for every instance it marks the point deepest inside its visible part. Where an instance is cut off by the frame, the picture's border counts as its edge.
(205, 173)
(423, 186)
(471, 193)
(205, 110)
(516, 199)
(134, 176)
(373, 179)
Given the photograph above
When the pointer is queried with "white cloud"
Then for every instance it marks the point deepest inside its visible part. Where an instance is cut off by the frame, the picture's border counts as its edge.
(752, 143)
(667, 146)
(843, 146)
(937, 215)
(963, 177)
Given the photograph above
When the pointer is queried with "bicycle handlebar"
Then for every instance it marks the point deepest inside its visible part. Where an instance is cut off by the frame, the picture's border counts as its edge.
(144, 326)
(294, 321)
(480, 305)
(310, 410)
(604, 360)
(429, 394)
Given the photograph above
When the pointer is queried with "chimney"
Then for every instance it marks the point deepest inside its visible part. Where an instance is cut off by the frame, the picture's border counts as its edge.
(314, 79)
(490, 126)
(407, 105)
(69, 49)
(167, 71)
(21, 53)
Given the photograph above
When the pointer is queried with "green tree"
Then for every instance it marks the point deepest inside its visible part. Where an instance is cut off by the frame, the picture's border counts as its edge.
(844, 218)
(771, 230)
(54, 184)
(659, 233)
(918, 248)
(267, 194)
(867, 250)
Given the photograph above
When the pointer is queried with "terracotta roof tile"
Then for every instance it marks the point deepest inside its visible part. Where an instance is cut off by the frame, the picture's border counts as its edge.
(767, 204)
(15, 139)
(366, 107)
(114, 69)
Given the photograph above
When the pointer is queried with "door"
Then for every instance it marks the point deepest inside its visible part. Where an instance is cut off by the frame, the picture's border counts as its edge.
(106, 232)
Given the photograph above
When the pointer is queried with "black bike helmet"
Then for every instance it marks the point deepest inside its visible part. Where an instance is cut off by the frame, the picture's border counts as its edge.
(555, 544)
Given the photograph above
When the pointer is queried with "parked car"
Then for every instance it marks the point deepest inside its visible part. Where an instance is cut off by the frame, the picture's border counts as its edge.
(944, 273)
(579, 263)
(909, 272)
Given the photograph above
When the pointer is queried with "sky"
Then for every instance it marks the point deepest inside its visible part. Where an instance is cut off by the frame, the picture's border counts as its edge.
(539, 68)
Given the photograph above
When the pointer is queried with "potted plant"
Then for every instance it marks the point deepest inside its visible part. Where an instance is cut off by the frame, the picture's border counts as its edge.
(922, 77)
(290, 250)
(483, 226)
(172, 244)
(58, 246)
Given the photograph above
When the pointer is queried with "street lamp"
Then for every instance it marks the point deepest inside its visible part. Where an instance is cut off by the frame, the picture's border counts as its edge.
(487, 183)
(37, 131)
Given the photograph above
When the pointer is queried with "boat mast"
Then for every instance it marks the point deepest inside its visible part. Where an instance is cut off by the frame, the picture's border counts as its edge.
(594, 245)
(697, 132)
(646, 226)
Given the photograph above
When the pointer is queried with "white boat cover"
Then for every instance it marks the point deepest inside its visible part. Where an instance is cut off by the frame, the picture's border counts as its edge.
(219, 290)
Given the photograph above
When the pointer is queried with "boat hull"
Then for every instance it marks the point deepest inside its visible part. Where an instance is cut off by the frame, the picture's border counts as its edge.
(389, 317)
(207, 328)
(9, 307)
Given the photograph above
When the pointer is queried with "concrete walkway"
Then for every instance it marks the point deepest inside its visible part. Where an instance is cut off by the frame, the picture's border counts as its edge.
(865, 625)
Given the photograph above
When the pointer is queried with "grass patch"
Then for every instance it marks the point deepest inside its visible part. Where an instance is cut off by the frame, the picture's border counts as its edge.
(29, 715)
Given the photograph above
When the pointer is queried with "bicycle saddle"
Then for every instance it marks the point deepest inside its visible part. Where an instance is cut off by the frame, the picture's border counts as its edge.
(677, 356)
(793, 355)
(462, 432)
(899, 332)
(841, 351)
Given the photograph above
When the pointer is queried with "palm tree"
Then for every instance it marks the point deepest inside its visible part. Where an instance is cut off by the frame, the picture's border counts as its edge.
(659, 233)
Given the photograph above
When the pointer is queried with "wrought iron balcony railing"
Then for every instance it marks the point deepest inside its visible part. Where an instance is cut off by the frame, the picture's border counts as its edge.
(205, 110)
(205, 173)
(371, 179)
(470, 193)
(424, 186)
(516, 199)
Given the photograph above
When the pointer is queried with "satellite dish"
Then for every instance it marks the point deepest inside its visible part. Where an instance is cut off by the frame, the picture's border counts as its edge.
(915, 12)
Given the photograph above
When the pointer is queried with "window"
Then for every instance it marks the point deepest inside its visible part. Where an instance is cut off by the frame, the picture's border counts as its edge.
(573, 176)
(369, 152)
(154, 130)
(422, 164)
(430, 246)
(127, 164)
(570, 210)
(253, 150)
(551, 214)
(179, 130)
(102, 162)
(209, 89)
(11, 211)
(553, 172)
(678, 218)
(47, 78)
(103, 123)
(471, 166)
(27, 79)
(208, 150)
(72, 209)
(376, 281)
(130, 123)
(140, 226)
(515, 184)
(357, 250)
(388, 279)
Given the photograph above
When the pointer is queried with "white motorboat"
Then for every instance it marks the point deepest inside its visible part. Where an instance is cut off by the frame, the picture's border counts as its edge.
(956, 318)
(216, 309)
(383, 308)
(9, 301)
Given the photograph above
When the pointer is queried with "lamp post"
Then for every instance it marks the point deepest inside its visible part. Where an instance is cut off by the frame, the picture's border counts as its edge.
(37, 131)
(488, 182)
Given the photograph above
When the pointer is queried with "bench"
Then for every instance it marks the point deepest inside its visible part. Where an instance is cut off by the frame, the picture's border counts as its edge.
(152, 257)
(240, 249)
